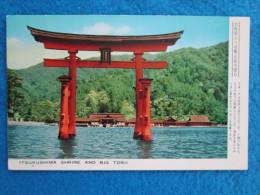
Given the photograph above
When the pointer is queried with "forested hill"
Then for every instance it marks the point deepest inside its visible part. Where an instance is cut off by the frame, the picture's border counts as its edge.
(195, 82)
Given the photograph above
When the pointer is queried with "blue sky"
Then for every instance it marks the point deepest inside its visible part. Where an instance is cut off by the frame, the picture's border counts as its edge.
(23, 51)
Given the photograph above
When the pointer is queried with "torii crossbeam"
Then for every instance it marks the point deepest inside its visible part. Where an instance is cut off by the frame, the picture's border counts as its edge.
(105, 44)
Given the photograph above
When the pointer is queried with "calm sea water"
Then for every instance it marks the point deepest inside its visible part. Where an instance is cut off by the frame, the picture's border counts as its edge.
(116, 143)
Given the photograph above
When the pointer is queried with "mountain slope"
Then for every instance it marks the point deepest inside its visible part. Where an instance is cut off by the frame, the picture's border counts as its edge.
(195, 82)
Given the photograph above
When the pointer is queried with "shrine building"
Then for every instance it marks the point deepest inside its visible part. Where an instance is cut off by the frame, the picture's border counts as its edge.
(118, 120)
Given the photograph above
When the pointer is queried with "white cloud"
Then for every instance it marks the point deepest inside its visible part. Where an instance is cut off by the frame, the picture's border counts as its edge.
(123, 30)
(98, 28)
(25, 54)
(13, 41)
(106, 29)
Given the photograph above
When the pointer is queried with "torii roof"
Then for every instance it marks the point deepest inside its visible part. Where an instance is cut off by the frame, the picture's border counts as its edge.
(57, 40)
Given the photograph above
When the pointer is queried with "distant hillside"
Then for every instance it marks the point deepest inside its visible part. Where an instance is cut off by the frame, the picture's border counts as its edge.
(195, 82)
(41, 82)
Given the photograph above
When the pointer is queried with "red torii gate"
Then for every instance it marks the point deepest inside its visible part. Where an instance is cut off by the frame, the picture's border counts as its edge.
(105, 44)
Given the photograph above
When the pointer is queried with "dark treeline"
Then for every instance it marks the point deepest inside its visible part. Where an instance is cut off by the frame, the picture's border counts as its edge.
(194, 83)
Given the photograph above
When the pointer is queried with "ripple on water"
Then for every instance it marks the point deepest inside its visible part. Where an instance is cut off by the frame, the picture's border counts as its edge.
(99, 143)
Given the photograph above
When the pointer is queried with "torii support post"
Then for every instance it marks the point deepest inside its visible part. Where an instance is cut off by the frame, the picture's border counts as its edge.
(146, 112)
(64, 107)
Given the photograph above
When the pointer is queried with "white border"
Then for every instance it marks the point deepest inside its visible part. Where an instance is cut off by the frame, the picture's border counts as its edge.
(235, 161)
(128, 164)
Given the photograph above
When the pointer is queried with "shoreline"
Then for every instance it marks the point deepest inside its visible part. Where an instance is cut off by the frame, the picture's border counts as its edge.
(34, 123)
(29, 123)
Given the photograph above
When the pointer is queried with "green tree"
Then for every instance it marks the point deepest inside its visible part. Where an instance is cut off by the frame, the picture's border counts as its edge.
(16, 98)
(45, 111)
(94, 102)
(128, 110)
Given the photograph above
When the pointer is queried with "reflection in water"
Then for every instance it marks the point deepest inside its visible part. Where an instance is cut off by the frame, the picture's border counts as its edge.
(116, 143)
(145, 149)
(67, 146)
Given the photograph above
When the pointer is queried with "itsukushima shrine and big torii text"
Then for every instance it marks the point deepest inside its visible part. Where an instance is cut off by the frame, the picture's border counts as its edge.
(105, 44)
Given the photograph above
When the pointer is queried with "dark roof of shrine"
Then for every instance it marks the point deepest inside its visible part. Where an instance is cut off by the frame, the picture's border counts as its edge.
(37, 33)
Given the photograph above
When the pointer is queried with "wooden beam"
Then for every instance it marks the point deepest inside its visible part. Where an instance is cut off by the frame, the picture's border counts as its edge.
(96, 64)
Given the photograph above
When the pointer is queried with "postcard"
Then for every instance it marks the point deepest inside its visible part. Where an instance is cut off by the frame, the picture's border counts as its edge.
(127, 92)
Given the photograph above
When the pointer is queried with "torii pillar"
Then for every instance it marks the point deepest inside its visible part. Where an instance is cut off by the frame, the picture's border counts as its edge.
(73, 86)
(138, 88)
